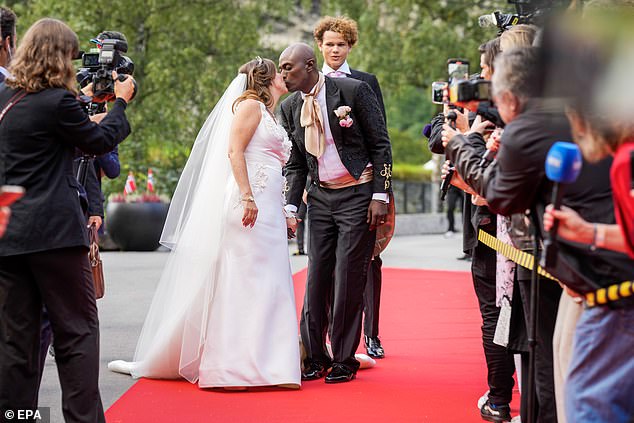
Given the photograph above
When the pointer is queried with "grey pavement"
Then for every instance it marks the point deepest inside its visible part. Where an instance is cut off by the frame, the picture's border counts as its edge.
(131, 278)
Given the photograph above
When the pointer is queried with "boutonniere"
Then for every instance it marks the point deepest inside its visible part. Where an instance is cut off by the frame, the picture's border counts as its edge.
(343, 113)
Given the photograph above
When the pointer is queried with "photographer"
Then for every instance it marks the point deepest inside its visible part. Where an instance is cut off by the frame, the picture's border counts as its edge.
(476, 215)
(517, 182)
(43, 255)
(104, 165)
(600, 382)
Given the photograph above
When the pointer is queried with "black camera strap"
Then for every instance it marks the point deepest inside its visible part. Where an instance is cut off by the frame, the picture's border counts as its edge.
(12, 102)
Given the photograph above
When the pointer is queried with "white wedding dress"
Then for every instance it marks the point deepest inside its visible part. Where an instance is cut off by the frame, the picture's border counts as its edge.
(224, 311)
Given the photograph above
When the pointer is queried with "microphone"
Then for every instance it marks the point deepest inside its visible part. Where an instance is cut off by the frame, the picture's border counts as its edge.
(487, 157)
(427, 130)
(489, 20)
(563, 165)
(446, 183)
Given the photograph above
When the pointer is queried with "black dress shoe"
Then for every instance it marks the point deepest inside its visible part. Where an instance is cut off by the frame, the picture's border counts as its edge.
(373, 347)
(314, 371)
(339, 374)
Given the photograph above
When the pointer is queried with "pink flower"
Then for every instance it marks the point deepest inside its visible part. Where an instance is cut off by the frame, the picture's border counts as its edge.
(346, 123)
(342, 111)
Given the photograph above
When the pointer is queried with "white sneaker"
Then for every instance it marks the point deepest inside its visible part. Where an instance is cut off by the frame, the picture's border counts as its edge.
(121, 366)
(366, 362)
(483, 399)
(516, 419)
(449, 234)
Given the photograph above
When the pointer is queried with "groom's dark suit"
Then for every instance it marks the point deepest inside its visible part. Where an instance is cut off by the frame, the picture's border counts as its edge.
(340, 242)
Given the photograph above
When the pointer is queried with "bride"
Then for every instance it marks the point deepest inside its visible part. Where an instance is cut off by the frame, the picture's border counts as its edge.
(224, 314)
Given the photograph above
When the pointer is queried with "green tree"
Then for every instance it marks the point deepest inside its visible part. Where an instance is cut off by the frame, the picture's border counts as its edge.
(187, 51)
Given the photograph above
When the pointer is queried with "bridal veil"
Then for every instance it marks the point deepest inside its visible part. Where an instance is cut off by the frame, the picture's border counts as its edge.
(174, 332)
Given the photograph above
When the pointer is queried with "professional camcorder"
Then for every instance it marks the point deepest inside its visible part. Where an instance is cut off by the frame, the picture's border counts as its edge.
(526, 12)
(465, 90)
(97, 66)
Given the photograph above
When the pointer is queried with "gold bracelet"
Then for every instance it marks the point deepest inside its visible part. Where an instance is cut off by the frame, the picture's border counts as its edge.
(248, 198)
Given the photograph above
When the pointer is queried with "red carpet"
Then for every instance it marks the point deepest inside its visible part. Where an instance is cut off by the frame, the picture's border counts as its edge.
(434, 370)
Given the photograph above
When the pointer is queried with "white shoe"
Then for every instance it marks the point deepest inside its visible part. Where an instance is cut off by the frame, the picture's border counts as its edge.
(366, 362)
(449, 234)
(120, 366)
(483, 399)
(516, 419)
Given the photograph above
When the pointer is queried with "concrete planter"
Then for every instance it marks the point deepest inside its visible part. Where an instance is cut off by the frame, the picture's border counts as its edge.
(136, 226)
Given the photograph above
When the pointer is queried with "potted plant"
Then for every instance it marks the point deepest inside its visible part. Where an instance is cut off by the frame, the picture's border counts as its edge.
(135, 221)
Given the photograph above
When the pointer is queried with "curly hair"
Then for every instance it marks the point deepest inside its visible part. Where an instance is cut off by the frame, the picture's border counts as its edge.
(44, 58)
(260, 75)
(341, 24)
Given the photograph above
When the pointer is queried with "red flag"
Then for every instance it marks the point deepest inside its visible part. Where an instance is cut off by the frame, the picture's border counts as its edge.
(130, 184)
(150, 181)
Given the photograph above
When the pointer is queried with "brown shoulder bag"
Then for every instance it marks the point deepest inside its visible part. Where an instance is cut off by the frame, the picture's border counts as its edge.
(95, 262)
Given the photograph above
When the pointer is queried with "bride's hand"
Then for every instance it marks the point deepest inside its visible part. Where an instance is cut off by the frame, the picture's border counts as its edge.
(250, 214)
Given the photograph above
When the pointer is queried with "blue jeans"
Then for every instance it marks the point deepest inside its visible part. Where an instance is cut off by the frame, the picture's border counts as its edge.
(600, 383)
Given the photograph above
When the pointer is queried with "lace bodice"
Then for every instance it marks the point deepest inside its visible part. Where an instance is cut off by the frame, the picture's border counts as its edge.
(270, 144)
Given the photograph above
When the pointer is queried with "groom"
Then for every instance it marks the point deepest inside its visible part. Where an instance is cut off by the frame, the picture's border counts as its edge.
(339, 137)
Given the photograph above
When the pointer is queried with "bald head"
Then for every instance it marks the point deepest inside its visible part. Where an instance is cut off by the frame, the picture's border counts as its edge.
(299, 51)
(298, 67)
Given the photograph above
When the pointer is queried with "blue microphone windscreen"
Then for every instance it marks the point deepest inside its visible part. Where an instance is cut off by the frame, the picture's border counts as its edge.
(427, 130)
(563, 162)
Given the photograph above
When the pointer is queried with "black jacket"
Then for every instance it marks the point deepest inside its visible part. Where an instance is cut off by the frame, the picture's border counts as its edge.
(371, 80)
(516, 181)
(365, 141)
(38, 137)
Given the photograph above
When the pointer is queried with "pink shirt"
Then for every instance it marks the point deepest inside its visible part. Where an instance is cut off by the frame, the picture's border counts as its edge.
(330, 165)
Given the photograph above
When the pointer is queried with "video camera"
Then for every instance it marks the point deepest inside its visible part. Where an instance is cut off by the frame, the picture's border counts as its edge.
(526, 12)
(97, 66)
(461, 86)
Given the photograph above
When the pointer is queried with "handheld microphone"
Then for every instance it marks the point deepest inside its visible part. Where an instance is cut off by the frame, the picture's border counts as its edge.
(563, 165)
(446, 183)
(487, 157)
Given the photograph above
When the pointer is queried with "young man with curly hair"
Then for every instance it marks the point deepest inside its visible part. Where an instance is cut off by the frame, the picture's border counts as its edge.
(335, 37)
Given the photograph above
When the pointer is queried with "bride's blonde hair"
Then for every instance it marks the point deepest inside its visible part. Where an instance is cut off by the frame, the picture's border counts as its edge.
(260, 74)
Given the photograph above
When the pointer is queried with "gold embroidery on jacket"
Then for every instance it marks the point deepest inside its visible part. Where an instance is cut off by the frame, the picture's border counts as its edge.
(387, 174)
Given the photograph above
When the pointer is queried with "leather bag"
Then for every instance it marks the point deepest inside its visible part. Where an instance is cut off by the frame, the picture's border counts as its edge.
(95, 262)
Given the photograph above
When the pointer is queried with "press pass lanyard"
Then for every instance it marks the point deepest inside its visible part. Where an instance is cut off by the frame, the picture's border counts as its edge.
(12, 102)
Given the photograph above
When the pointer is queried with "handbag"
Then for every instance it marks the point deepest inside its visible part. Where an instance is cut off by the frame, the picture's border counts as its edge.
(96, 264)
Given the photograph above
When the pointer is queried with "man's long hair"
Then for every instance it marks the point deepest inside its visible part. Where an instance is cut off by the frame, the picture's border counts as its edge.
(44, 58)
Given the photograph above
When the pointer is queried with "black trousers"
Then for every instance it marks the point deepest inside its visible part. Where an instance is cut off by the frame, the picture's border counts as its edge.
(372, 298)
(549, 295)
(62, 281)
(454, 198)
(301, 227)
(500, 363)
(339, 253)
